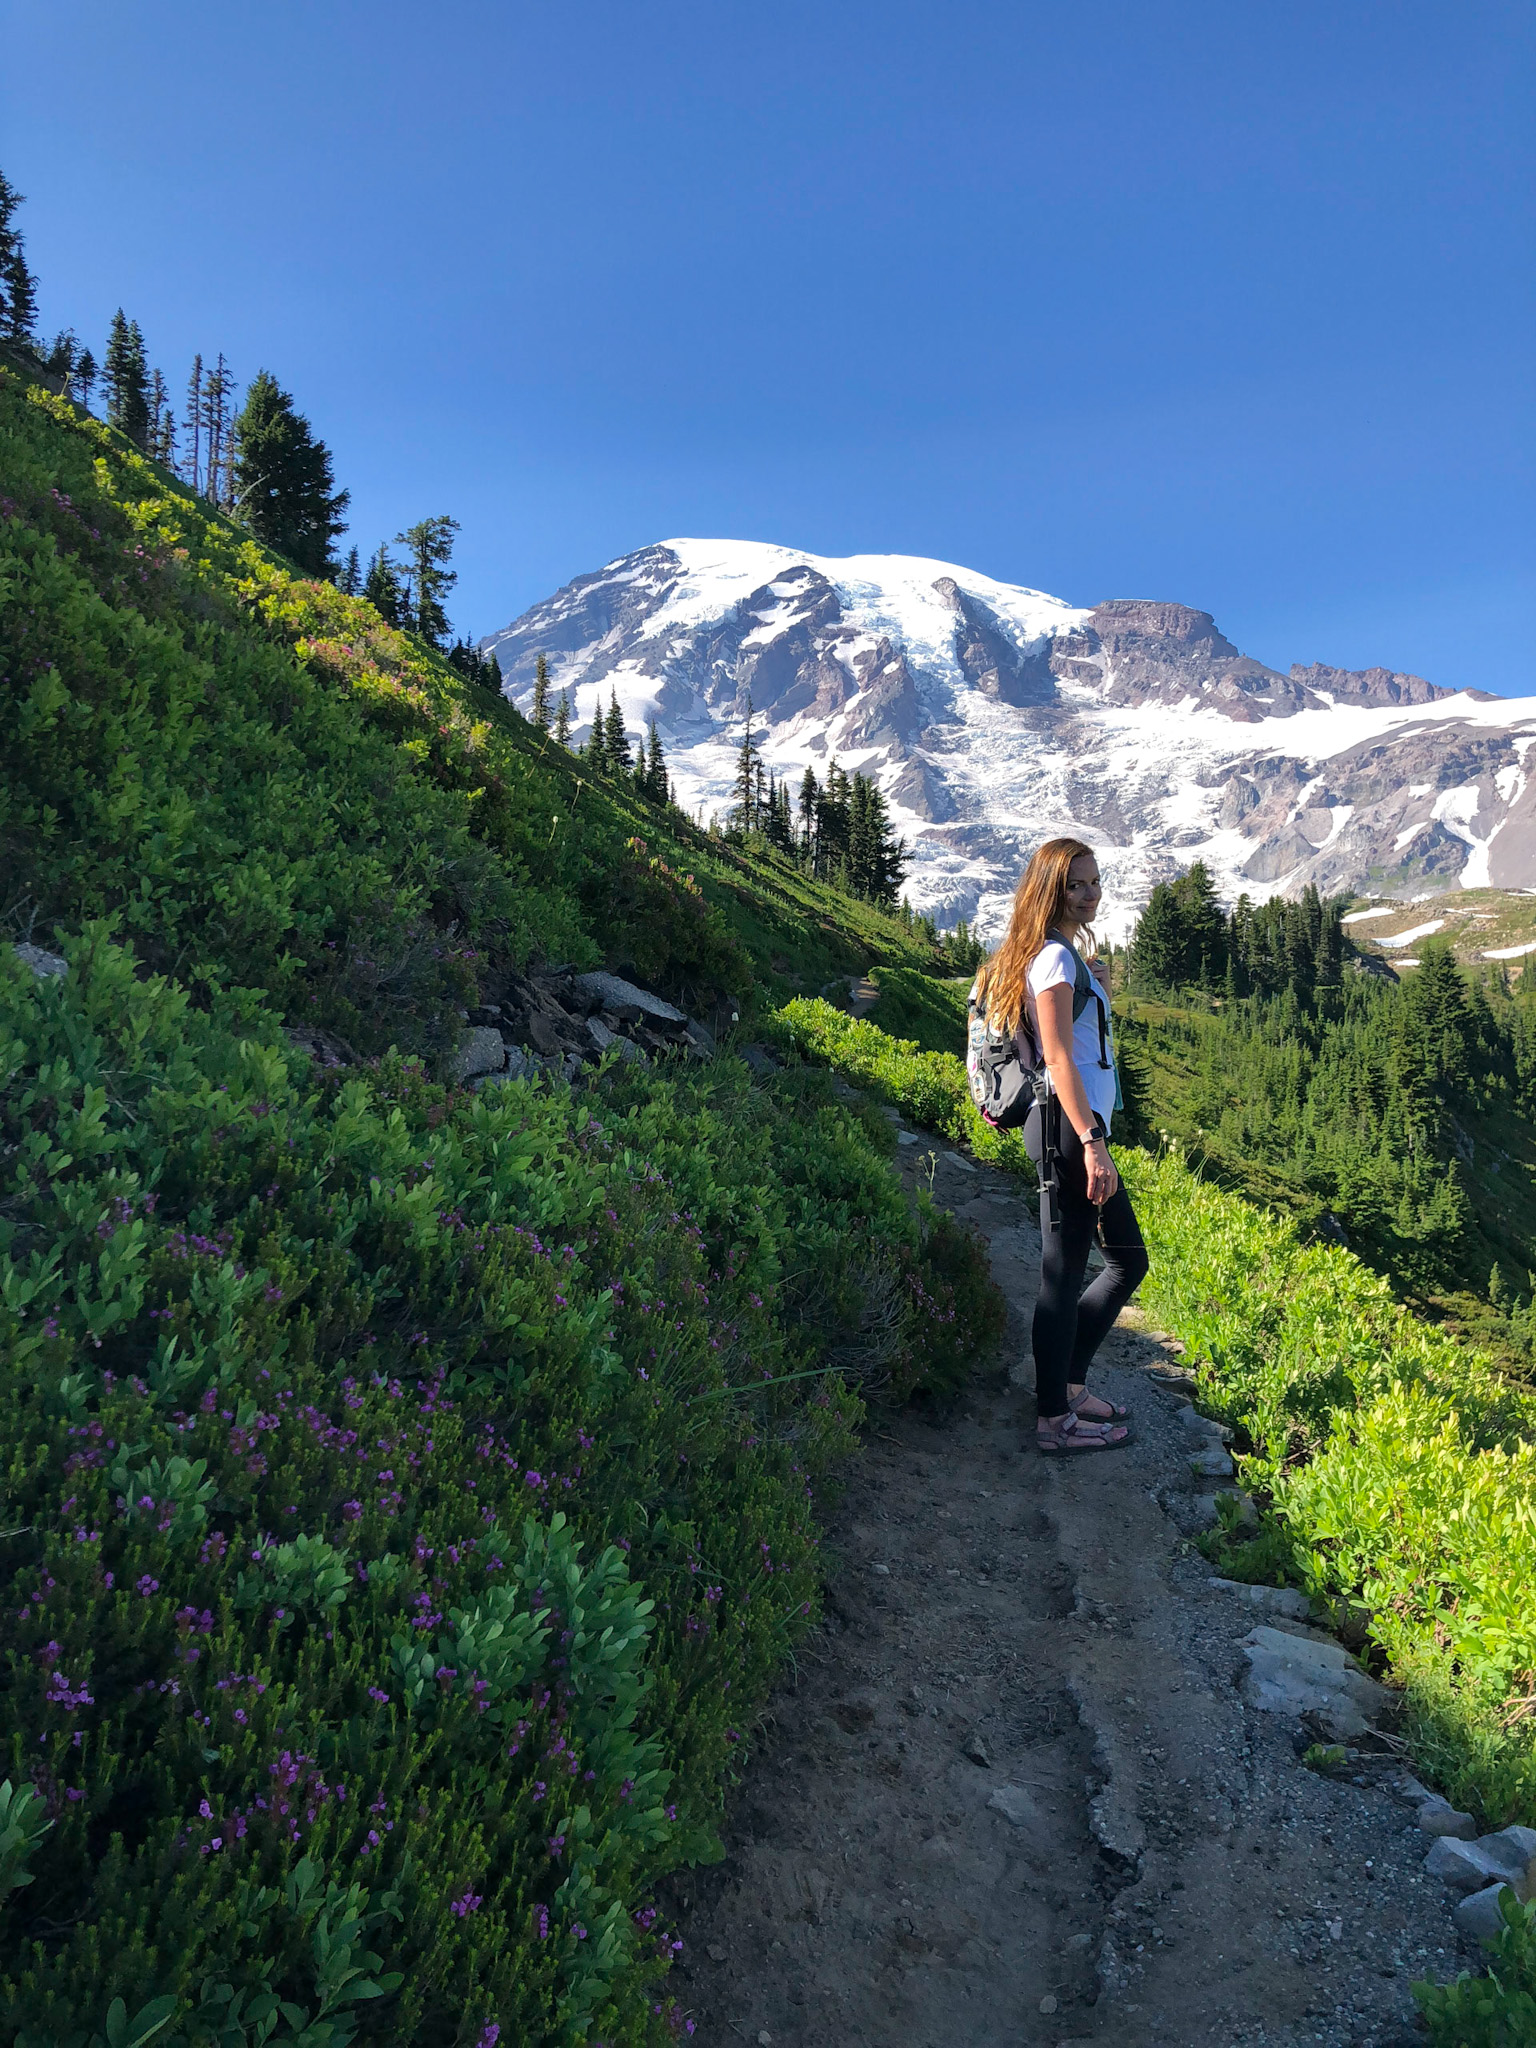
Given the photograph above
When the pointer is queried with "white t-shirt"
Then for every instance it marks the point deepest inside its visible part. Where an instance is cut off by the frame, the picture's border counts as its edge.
(1050, 968)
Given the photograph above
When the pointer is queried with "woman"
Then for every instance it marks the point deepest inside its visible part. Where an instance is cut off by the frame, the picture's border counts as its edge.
(1027, 987)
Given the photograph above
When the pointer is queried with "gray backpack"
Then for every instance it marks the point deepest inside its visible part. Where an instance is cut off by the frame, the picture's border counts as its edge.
(1005, 1086)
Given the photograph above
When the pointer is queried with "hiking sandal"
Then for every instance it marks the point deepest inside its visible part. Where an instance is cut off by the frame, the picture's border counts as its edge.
(1077, 1402)
(1071, 1438)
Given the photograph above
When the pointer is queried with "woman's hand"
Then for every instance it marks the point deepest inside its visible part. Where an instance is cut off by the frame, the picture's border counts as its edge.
(1103, 1179)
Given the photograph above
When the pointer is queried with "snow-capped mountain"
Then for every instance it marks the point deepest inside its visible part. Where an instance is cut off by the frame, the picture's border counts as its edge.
(993, 716)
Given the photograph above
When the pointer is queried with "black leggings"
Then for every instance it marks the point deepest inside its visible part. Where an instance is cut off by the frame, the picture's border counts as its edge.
(1071, 1324)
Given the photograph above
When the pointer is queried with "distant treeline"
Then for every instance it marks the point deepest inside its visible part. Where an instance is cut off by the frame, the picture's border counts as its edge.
(1375, 1097)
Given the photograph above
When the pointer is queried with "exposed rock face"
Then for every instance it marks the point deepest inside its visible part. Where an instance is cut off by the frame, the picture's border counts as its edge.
(993, 716)
(1365, 685)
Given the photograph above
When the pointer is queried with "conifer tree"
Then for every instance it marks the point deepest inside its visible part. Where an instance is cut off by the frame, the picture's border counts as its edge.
(615, 738)
(192, 425)
(430, 542)
(744, 810)
(383, 590)
(62, 355)
(127, 380)
(350, 581)
(563, 720)
(18, 287)
(83, 381)
(810, 791)
(596, 751)
(657, 783)
(215, 413)
(284, 489)
(162, 422)
(541, 693)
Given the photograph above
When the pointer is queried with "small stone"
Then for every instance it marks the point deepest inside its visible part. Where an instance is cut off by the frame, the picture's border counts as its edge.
(764, 2038)
(716, 1952)
(883, 1570)
(1048, 2003)
(909, 1137)
(1336, 1930)
(1014, 1804)
(954, 1159)
(976, 1751)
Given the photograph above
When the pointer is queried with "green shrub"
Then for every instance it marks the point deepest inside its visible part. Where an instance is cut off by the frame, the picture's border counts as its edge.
(410, 1503)
(1496, 2011)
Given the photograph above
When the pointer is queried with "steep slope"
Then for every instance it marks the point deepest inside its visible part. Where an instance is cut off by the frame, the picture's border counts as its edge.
(409, 1488)
(992, 714)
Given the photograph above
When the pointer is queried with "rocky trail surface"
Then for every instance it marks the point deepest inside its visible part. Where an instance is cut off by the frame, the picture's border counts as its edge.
(1014, 1792)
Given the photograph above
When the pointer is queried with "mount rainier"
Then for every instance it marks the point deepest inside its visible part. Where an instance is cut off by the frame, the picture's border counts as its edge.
(993, 716)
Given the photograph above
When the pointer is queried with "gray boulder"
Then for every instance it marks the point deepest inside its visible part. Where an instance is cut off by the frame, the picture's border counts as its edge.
(479, 1051)
(609, 989)
(44, 965)
(1478, 1914)
(1271, 1599)
(1437, 1816)
(1469, 1866)
(1212, 1464)
(1295, 1675)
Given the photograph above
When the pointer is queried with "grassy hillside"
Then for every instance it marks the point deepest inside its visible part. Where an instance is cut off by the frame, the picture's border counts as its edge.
(407, 1492)
(1474, 923)
(253, 776)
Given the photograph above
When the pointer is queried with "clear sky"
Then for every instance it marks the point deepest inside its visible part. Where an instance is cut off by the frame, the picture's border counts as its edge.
(1220, 302)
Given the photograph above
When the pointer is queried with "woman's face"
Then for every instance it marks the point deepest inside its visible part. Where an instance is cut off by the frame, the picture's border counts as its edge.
(1083, 889)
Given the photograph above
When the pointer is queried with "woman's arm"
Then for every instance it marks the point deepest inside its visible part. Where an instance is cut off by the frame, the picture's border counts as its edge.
(1054, 1010)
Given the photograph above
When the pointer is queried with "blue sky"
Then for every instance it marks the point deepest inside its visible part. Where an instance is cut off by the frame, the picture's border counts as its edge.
(1228, 304)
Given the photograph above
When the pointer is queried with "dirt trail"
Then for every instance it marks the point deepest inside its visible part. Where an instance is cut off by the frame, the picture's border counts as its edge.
(1009, 1632)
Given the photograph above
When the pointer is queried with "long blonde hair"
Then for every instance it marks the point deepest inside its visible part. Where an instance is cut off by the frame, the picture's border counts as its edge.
(1039, 905)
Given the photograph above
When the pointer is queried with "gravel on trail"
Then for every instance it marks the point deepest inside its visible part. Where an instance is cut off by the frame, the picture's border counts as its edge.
(1012, 1793)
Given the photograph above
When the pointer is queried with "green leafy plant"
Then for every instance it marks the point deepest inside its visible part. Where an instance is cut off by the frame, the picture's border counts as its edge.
(1499, 2009)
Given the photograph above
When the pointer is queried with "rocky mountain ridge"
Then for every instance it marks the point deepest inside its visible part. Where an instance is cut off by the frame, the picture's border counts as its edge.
(993, 715)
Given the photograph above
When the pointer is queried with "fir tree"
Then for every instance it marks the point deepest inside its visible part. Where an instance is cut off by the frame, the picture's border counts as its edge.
(563, 720)
(810, 792)
(284, 489)
(596, 751)
(216, 415)
(18, 287)
(481, 671)
(657, 783)
(350, 581)
(83, 381)
(127, 380)
(63, 353)
(616, 739)
(162, 422)
(541, 693)
(430, 542)
(383, 589)
(744, 810)
(192, 425)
